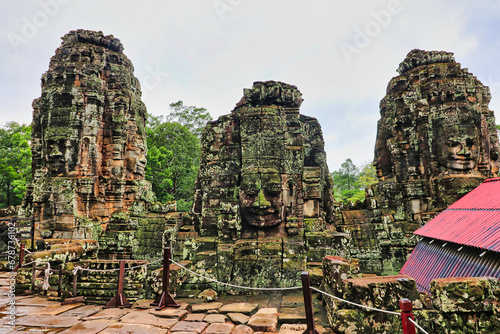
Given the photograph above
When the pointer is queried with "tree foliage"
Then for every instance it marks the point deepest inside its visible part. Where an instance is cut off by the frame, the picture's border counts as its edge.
(174, 153)
(349, 182)
(15, 162)
(193, 118)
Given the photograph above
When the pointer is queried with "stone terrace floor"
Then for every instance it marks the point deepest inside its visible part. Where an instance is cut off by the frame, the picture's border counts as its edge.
(266, 313)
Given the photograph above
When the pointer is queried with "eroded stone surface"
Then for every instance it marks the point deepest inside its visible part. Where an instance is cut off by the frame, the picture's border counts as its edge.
(144, 317)
(88, 144)
(242, 329)
(88, 327)
(436, 141)
(238, 318)
(265, 320)
(187, 326)
(51, 321)
(215, 318)
(245, 308)
(204, 307)
(132, 328)
(219, 328)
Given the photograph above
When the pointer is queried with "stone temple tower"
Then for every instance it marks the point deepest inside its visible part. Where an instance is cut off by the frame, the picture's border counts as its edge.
(436, 142)
(88, 140)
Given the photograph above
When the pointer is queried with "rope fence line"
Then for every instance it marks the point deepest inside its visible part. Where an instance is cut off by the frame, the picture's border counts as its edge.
(234, 285)
(417, 325)
(49, 272)
(353, 303)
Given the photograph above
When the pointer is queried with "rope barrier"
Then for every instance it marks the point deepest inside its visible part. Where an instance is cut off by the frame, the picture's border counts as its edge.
(116, 269)
(48, 272)
(352, 303)
(236, 286)
(417, 325)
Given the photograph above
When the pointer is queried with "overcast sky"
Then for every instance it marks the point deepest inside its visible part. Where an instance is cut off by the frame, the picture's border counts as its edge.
(340, 54)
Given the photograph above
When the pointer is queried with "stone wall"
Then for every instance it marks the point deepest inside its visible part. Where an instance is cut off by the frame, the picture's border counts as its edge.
(455, 305)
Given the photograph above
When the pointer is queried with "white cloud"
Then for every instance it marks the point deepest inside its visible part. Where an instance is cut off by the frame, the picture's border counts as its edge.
(208, 61)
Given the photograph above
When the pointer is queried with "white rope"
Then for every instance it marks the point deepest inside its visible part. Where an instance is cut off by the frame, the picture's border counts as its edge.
(352, 303)
(116, 269)
(48, 272)
(413, 322)
(75, 270)
(19, 245)
(233, 285)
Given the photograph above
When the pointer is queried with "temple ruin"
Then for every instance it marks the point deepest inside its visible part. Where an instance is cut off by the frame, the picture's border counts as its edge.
(436, 141)
(263, 197)
(263, 206)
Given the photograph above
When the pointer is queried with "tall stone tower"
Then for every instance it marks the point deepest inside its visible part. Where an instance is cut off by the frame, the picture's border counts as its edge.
(88, 137)
(436, 141)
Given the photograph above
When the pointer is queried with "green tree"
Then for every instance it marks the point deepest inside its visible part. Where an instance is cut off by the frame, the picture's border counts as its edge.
(174, 152)
(195, 119)
(15, 162)
(349, 182)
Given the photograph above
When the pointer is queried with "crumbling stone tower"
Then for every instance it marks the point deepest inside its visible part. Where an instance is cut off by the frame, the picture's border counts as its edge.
(88, 141)
(436, 141)
(263, 205)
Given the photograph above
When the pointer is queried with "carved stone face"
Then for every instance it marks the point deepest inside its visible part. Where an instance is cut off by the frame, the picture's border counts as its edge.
(136, 156)
(55, 156)
(457, 145)
(261, 197)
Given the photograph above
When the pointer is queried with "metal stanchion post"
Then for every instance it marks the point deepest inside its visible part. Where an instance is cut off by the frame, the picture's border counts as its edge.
(306, 290)
(406, 312)
(119, 300)
(165, 299)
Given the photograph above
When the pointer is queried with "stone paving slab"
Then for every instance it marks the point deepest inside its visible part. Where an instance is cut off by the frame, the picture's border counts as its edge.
(143, 304)
(57, 309)
(108, 313)
(215, 318)
(146, 318)
(132, 328)
(22, 310)
(53, 321)
(172, 313)
(242, 329)
(245, 308)
(295, 299)
(204, 307)
(195, 317)
(238, 318)
(83, 311)
(188, 326)
(88, 327)
(292, 315)
(265, 320)
(36, 301)
(219, 328)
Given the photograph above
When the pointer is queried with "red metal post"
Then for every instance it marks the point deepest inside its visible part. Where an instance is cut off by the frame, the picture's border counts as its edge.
(306, 290)
(406, 312)
(119, 300)
(21, 258)
(165, 299)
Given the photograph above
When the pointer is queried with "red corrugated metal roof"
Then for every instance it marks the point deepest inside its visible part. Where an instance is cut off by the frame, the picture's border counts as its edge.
(430, 260)
(473, 220)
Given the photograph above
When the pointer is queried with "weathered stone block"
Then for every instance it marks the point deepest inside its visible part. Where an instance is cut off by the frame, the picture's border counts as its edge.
(465, 294)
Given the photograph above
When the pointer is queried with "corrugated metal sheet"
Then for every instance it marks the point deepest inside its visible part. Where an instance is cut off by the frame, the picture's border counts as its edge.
(473, 220)
(431, 260)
